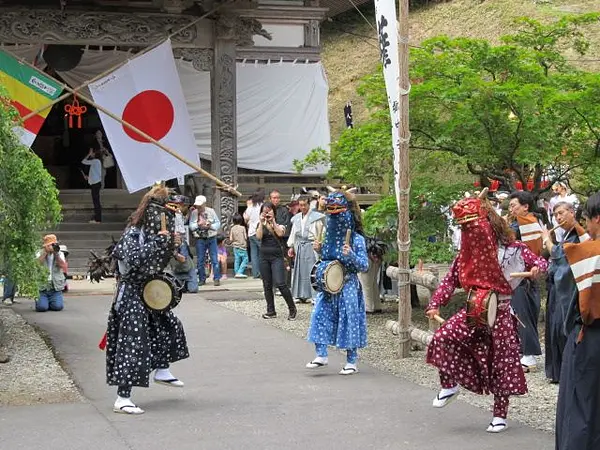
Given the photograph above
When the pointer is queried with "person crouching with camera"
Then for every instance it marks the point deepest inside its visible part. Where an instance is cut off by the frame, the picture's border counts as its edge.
(51, 297)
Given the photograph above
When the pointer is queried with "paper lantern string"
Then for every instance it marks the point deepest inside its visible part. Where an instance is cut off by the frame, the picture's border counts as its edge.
(74, 109)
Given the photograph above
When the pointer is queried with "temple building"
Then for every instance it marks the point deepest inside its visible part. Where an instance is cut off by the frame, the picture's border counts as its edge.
(251, 73)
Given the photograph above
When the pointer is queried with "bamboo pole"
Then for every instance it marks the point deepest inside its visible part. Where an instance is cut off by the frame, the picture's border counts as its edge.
(116, 66)
(197, 168)
(404, 308)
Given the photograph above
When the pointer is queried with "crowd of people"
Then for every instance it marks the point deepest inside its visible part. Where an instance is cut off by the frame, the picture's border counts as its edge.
(488, 347)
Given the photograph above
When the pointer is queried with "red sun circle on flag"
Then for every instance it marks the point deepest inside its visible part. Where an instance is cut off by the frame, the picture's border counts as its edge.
(152, 112)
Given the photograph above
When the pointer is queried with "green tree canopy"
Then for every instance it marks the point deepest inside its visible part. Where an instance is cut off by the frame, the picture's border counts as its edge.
(510, 112)
(28, 205)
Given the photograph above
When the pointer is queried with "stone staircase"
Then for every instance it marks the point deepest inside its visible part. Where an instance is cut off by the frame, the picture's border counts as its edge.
(80, 236)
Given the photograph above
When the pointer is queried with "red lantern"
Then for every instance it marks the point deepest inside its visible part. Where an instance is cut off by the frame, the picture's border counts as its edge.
(530, 184)
(476, 183)
(494, 185)
(518, 185)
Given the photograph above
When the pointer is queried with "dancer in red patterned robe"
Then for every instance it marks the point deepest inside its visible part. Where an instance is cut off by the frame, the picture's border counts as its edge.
(481, 359)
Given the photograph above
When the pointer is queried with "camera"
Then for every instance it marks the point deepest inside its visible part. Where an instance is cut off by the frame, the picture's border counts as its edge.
(200, 234)
(55, 247)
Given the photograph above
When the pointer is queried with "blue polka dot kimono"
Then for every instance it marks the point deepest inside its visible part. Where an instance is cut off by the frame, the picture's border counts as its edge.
(340, 319)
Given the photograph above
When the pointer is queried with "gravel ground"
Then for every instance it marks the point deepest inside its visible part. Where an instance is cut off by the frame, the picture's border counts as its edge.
(33, 375)
(537, 408)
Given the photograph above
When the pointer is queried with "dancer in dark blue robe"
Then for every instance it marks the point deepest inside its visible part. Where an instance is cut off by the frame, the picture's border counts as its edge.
(578, 409)
(561, 288)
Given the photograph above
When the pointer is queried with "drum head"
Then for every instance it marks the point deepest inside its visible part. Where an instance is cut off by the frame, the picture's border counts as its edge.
(334, 277)
(492, 309)
(157, 295)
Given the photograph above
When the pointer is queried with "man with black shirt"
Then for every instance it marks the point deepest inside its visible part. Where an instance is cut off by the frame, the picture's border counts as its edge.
(282, 217)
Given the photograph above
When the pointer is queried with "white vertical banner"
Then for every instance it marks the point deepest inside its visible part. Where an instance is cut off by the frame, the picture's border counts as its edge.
(387, 30)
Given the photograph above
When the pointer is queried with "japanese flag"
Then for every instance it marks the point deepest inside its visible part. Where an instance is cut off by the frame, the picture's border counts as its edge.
(146, 92)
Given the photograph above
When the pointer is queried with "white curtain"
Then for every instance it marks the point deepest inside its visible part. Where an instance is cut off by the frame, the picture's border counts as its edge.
(281, 107)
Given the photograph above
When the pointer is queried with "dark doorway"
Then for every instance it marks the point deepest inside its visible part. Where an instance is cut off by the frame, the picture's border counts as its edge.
(62, 148)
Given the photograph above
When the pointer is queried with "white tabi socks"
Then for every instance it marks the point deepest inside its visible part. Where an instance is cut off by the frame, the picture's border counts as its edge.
(164, 376)
(124, 405)
(445, 396)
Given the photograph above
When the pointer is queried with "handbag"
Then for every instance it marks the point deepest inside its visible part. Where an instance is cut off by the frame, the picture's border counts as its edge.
(108, 161)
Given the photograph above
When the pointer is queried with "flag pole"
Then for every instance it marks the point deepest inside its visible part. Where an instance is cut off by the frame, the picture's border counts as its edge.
(116, 66)
(403, 188)
(197, 168)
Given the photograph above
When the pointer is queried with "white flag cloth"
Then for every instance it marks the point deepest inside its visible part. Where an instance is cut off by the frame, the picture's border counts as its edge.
(387, 29)
(147, 93)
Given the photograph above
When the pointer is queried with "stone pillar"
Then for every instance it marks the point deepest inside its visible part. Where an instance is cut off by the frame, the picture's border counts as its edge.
(223, 124)
(202, 60)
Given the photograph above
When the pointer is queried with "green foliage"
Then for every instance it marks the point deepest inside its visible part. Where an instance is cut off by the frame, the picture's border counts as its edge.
(315, 158)
(428, 224)
(28, 205)
(510, 112)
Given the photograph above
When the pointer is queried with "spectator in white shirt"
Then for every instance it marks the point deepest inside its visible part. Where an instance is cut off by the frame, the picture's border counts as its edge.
(252, 219)
(94, 179)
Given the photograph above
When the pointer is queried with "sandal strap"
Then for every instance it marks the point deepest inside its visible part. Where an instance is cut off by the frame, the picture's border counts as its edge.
(447, 396)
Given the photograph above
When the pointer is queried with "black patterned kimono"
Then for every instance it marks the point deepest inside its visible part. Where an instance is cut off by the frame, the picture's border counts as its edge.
(139, 341)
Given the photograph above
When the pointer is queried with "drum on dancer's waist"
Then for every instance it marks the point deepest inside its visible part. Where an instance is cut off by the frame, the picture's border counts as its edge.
(482, 308)
(328, 276)
(162, 292)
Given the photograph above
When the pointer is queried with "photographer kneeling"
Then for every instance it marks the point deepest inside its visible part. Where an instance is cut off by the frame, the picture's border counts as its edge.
(51, 297)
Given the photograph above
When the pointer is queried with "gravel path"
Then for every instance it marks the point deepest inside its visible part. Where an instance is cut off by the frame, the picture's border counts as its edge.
(537, 408)
(33, 375)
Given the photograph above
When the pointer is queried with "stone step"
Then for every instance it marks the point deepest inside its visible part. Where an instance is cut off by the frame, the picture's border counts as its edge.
(84, 252)
(84, 215)
(78, 266)
(93, 243)
(104, 227)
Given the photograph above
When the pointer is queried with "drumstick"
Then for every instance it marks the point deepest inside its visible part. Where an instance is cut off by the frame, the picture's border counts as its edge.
(521, 274)
(348, 235)
(163, 222)
(438, 319)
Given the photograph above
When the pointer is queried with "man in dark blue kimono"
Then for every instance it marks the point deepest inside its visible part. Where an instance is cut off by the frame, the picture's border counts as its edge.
(578, 409)
(561, 286)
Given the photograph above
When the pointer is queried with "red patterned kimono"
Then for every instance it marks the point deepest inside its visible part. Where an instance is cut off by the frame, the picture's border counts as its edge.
(479, 359)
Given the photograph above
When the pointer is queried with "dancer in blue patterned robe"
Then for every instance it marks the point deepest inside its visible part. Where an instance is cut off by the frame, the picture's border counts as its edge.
(340, 319)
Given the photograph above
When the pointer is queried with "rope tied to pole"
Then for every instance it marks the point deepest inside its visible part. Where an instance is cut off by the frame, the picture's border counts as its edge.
(404, 247)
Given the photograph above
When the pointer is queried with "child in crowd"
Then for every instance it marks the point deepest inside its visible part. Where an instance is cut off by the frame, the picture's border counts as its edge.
(238, 238)
(222, 256)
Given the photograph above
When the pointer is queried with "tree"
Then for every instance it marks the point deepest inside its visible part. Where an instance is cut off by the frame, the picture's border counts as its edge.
(28, 205)
(513, 112)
